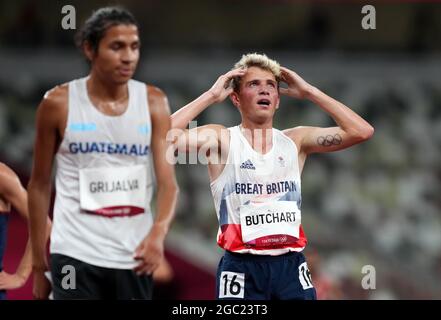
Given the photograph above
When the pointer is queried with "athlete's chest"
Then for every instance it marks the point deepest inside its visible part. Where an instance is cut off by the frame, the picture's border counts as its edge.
(107, 135)
(278, 163)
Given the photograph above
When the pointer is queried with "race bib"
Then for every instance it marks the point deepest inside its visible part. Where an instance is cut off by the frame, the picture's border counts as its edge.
(113, 191)
(270, 224)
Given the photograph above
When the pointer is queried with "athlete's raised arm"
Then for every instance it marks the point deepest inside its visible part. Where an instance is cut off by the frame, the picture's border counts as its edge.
(205, 136)
(351, 128)
(217, 93)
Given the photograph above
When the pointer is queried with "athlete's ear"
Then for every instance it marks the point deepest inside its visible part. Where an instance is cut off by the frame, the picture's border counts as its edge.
(234, 97)
(88, 50)
(278, 102)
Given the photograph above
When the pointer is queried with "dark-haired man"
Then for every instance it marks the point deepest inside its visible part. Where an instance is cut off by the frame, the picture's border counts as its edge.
(107, 133)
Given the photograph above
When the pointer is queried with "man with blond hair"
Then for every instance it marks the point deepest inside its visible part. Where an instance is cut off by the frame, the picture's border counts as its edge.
(255, 173)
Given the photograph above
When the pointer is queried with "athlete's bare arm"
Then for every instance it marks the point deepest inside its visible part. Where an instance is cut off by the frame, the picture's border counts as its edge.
(198, 137)
(210, 140)
(50, 124)
(150, 251)
(351, 128)
(13, 192)
(217, 93)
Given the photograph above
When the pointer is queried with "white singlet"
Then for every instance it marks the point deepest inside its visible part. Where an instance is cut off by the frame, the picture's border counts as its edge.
(104, 180)
(258, 198)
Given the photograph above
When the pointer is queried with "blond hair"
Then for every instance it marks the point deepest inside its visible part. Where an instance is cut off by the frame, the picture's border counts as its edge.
(256, 60)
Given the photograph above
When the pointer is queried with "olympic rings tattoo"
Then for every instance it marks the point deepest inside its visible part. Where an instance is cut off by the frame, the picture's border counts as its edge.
(329, 140)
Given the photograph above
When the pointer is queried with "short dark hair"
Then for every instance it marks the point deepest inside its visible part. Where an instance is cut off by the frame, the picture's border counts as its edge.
(97, 24)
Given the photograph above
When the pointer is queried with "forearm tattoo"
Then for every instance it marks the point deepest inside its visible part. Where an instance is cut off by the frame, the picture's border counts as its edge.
(329, 140)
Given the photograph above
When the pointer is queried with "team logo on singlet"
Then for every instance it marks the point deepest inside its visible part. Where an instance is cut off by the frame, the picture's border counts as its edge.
(144, 128)
(82, 127)
(248, 165)
(281, 161)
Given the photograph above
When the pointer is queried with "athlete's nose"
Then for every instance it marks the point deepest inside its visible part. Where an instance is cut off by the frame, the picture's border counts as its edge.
(263, 91)
(128, 55)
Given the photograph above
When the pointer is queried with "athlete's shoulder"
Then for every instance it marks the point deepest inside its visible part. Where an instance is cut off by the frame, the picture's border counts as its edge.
(215, 131)
(56, 97)
(157, 99)
(296, 133)
(52, 110)
(5, 170)
(155, 92)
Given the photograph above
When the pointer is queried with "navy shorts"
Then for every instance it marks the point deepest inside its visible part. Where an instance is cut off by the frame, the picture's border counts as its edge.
(256, 277)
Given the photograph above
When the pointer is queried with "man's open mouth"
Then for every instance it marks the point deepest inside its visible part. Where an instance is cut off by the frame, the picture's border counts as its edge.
(263, 102)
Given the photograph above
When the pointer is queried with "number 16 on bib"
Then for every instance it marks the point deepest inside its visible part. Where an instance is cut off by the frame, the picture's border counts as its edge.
(232, 285)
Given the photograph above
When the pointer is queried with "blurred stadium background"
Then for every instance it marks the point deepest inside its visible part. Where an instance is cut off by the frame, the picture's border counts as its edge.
(375, 204)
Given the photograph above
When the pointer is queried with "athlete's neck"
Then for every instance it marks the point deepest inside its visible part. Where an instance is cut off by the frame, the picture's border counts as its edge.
(259, 136)
(110, 99)
(104, 90)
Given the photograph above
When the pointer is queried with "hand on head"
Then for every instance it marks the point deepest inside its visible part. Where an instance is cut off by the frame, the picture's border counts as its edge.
(297, 87)
(222, 87)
